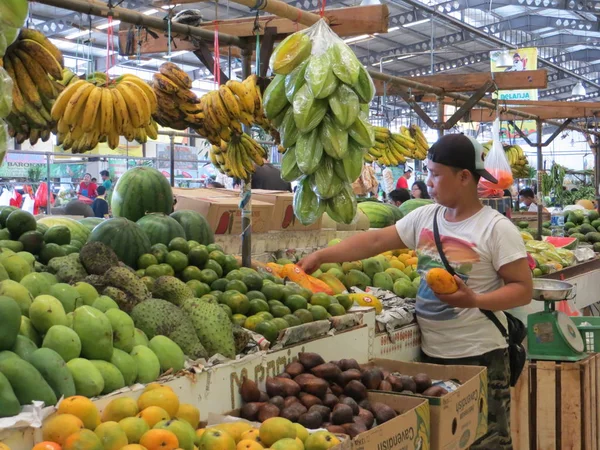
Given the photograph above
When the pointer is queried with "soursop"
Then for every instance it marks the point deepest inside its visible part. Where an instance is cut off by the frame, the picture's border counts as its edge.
(67, 269)
(121, 280)
(97, 258)
(159, 317)
(171, 289)
(213, 327)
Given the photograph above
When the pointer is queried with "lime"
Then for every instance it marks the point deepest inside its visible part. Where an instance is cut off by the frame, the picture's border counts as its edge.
(318, 312)
(268, 329)
(140, 273)
(304, 315)
(238, 303)
(213, 265)
(177, 260)
(306, 293)
(198, 288)
(252, 321)
(227, 309)
(537, 272)
(191, 273)
(272, 291)
(149, 282)
(213, 247)
(208, 276)
(239, 319)
(256, 294)
(217, 295)
(292, 320)
(160, 252)
(280, 323)
(320, 299)
(278, 280)
(253, 280)
(267, 315)
(336, 310)
(154, 271)
(231, 263)
(210, 298)
(146, 260)
(218, 256)
(345, 301)
(257, 305)
(224, 296)
(219, 285)
(237, 285)
(273, 303)
(198, 256)
(167, 269)
(295, 302)
(234, 275)
(280, 311)
(193, 244)
(179, 244)
(290, 289)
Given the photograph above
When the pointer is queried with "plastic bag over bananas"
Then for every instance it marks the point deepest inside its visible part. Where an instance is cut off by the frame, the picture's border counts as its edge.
(515, 155)
(101, 110)
(391, 149)
(319, 102)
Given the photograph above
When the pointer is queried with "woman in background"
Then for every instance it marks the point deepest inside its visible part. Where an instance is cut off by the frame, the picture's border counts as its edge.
(419, 190)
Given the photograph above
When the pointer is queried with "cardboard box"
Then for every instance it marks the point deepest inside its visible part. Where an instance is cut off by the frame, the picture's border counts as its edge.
(283, 211)
(459, 418)
(222, 211)
(407, 431)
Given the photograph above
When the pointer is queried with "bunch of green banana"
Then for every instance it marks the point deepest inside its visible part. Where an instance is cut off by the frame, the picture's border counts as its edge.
(36, 68)
(390, 149)
(237, 157)
(90, 112)
(421, 144)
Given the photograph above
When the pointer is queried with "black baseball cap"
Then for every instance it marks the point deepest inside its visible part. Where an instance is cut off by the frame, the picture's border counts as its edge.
(460, 151)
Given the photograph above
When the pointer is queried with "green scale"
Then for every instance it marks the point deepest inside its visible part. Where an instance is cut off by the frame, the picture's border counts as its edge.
(551, 334)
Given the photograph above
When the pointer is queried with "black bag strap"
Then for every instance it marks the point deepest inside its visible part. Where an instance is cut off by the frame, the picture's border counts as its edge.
(438, 243)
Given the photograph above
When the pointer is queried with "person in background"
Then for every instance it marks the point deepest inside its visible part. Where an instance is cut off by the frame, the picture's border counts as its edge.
(95, 181)
(100, 205)
(87, 188)
(214, 185)
(527, 197)
(402, 182)
(388, 181)
(419, 190)
(106, 180)
(268, 177)
(399, 196)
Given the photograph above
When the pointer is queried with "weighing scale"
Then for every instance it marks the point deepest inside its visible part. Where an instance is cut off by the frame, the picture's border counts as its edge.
(551, 334)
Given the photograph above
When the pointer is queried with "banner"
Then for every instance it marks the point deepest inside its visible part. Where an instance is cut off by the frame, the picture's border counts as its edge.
(19, 165)
(522, 59)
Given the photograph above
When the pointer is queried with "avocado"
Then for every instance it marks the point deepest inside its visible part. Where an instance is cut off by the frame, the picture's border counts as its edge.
(383, 280)
(372, 266)
(358, 279)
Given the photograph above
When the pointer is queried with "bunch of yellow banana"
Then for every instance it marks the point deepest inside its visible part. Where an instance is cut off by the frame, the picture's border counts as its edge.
(36, 67)
(390, 149)
(87, 114)
(178, 107)
(237, 157)
(421, 144)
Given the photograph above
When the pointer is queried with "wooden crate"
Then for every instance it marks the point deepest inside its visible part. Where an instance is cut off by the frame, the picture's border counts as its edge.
(555, 406)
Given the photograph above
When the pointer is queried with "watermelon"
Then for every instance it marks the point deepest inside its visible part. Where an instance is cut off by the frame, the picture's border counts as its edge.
(568, 243)
(139, 191)
(78, 231)
(161, 229)
(410, 205)
(91, 222)
(125, 237)
(195, 226)
(380, 216)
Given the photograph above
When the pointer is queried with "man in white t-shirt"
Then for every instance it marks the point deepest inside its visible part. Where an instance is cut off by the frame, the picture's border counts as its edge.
(487, 252)
(527, 198)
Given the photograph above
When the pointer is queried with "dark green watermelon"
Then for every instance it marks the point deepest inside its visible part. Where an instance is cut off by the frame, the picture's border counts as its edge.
(126, 238)
(139, 191)
(91, 222)
(195, 226)
(161, 229)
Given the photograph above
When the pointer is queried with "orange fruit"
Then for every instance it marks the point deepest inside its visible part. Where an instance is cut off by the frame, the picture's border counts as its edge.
(133, 447)
(112, 435)
(118, 409)
(189, 413)
(163, 397)
(83, 408)
(252, 434)
(83, 440)
(46, 445)
(199, 433)
(159, 440)
(234, 429)
(276, 428)
(152, 386)
(441, 282)
(134, 428)
(60, 426)
(213, 439)
(321, 440)
(248, 444)
(153, 414)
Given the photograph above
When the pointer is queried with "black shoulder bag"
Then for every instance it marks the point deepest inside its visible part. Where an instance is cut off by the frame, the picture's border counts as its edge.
(516, 329)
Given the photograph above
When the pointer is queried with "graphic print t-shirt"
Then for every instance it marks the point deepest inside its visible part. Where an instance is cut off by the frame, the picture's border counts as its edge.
(476, 248)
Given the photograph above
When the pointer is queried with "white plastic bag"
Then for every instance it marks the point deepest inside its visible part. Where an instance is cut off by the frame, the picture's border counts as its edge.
(497, 164)
(5, 197)
(28, 204)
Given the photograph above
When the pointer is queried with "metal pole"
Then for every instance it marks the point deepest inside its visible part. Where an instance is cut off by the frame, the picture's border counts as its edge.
(172, 139)
(49, 195)
(540, 168)
(246, 190)
(283, 10)
(94, 8)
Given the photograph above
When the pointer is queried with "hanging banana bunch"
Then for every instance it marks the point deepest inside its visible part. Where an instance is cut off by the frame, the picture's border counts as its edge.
(390, 149)
(421, 145)
(90, 112)
(238, 156)
(36, 67)
(516, 158)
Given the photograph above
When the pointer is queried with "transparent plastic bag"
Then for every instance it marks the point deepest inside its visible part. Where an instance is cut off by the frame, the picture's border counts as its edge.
(496, 164)
(3, 140)
(6, 88)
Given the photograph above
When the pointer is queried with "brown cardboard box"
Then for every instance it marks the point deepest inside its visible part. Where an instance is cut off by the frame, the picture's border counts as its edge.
(283, 212)
(407, 431)
(459, 418)
(222, 210)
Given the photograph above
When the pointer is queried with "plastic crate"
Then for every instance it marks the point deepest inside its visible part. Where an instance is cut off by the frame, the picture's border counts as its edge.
(590, 333)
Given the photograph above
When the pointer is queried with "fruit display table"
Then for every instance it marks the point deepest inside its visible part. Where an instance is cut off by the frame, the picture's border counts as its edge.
(586, 276)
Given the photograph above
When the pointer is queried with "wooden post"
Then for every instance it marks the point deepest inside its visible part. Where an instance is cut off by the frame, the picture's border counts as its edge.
(540, 168)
